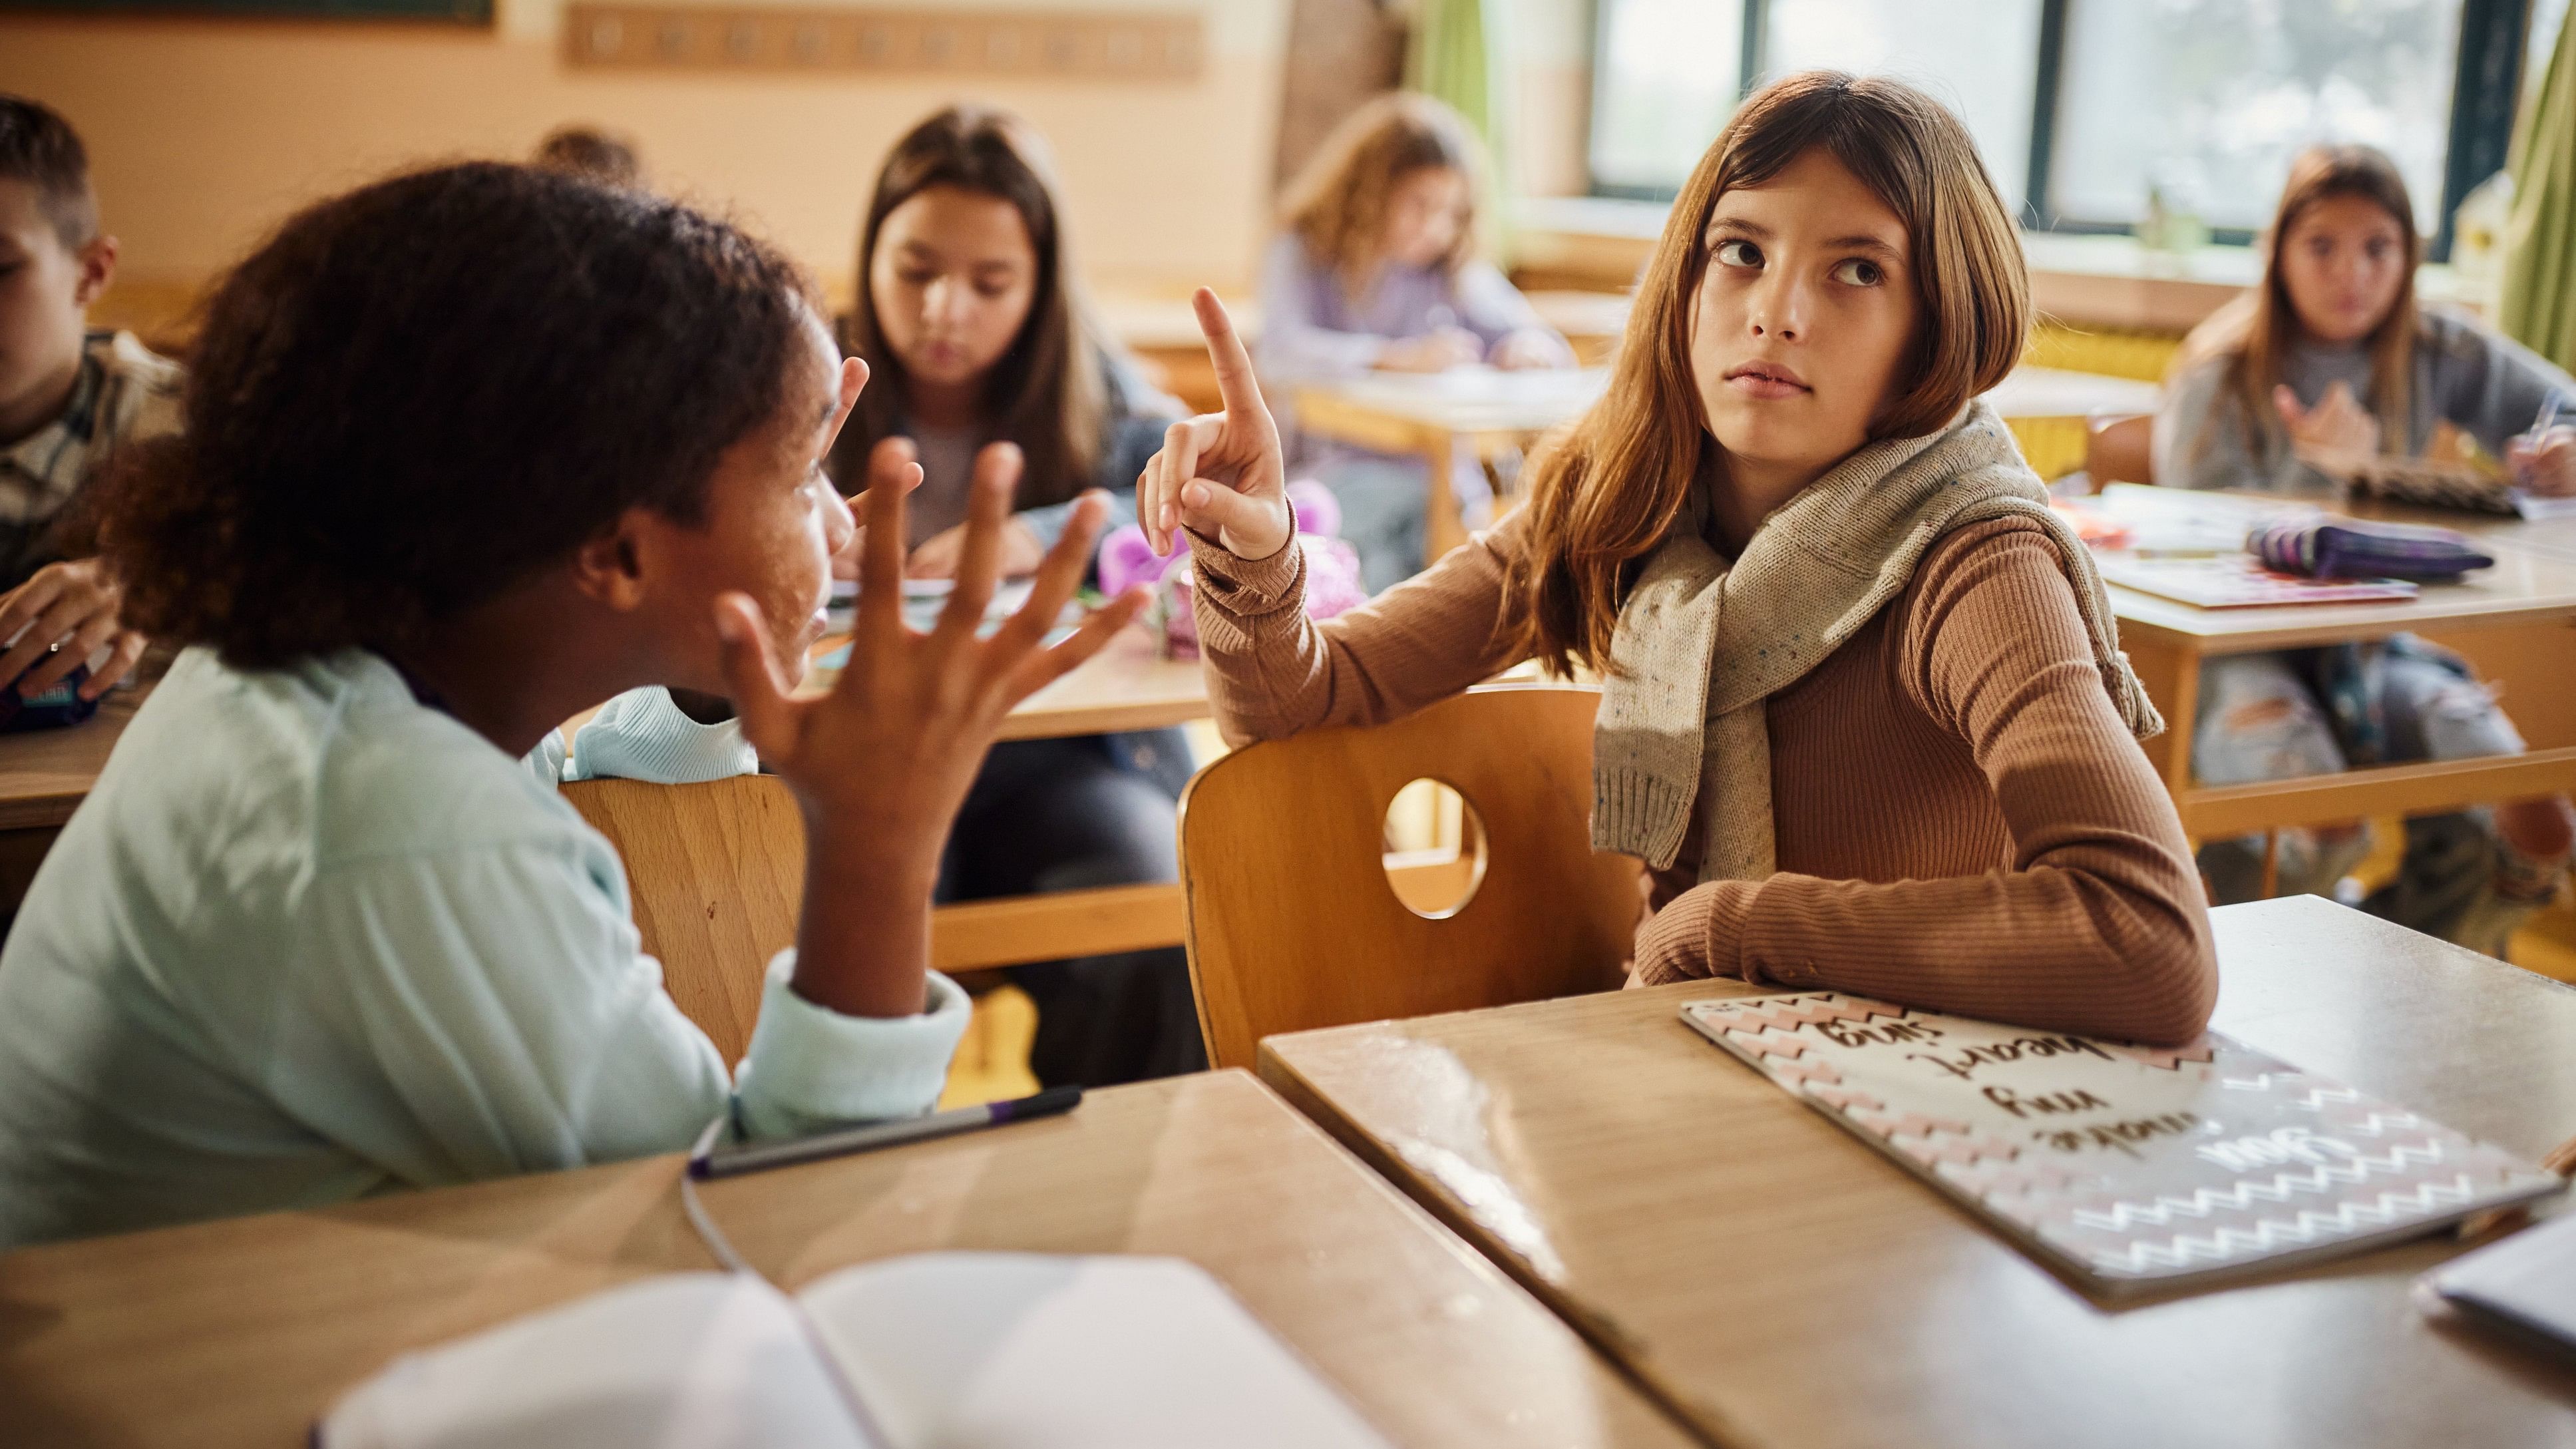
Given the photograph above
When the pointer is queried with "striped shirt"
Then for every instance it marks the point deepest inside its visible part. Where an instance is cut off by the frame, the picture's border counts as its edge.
(125, 393)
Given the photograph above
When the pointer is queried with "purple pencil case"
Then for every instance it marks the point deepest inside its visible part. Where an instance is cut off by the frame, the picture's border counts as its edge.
(2344, 548)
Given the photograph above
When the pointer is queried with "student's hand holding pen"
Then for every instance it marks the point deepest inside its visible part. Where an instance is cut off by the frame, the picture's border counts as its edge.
(1220, 474)
(2544, 460)
(881, 762)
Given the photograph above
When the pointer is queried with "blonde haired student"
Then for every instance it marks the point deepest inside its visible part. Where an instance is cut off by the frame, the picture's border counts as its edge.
(1379, 266)
(2331, 353)
(1865, 717)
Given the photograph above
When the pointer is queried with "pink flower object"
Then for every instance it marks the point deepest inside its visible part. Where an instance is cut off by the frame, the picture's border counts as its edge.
(1332, 569)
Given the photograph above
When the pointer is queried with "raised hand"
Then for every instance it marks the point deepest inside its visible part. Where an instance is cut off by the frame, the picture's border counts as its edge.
(1220, 474)
(880, 763)
(2337, 424)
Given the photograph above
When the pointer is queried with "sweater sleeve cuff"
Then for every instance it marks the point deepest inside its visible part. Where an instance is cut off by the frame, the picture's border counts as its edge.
(809, 1067)
(1699, 933)
(1248, 586)
(643, 735)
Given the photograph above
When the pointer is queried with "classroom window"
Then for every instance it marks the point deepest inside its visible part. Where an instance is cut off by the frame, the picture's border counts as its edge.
(1674, 69)
(2235, 90)
(1974, 56)
(2081, 106)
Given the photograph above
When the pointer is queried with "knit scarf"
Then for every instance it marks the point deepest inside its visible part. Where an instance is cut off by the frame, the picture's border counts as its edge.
(1700, 645)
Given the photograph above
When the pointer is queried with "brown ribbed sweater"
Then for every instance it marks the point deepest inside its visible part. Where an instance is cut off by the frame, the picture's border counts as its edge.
(1962, 821)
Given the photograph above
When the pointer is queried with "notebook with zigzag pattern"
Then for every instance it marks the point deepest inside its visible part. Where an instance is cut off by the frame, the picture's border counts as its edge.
(2127, 1169)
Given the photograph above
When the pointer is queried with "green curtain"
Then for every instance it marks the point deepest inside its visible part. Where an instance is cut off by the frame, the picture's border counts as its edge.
(1459, 56)
(2539, 304)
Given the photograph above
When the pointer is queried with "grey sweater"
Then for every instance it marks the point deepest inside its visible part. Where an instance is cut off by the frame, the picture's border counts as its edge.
(2487, 386)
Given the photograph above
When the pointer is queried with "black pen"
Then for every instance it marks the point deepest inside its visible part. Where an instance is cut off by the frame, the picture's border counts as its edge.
(737, 1158)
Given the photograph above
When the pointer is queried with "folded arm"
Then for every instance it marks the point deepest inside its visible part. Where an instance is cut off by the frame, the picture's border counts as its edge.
(2099, 925)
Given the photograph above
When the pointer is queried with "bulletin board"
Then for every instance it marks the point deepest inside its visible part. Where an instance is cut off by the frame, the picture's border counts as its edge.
(462, 12)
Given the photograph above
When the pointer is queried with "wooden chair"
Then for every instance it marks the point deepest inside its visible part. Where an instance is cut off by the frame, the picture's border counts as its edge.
(1294, 922)
(717, 873)
(2119, 448)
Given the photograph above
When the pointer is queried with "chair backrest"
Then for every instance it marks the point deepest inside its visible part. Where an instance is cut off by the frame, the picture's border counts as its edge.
(2119, 448)
(1294, 923)
(717, 872)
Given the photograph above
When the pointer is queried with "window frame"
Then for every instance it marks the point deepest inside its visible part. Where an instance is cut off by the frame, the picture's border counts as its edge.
(2486, 88)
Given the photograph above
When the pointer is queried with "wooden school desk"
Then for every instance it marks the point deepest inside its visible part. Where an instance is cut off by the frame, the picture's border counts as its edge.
(242, 1332)
(1162, 330)
(2516, 622)
(1127, 686)
(44, 775)
(1434, 416)
(1783, 1284)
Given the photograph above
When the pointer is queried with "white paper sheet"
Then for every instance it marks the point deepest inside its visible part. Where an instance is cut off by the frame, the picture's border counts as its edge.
(1020, 1350)
(702, 1360)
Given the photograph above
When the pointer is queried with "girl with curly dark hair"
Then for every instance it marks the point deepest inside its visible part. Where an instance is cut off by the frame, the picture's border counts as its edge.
(468, 451)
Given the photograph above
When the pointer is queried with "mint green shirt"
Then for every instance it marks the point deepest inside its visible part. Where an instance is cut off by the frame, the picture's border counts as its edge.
(309, 940)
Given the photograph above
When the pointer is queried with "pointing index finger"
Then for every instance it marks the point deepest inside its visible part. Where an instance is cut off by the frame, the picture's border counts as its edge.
(1234, 379)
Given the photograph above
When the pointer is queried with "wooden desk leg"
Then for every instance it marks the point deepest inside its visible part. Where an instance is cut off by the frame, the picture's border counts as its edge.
(1442, 529)
(2172, 680)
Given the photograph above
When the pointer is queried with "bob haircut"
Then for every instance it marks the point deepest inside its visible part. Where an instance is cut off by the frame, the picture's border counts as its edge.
(1337, 204)
(1049, 392)
(2256, 330)
(1608, 490)
(418, 394)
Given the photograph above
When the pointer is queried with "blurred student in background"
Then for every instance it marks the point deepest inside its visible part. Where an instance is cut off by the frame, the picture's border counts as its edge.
(1381, 266)
(591, 153)
(975, 324)
(72, 400)
(2331, 354)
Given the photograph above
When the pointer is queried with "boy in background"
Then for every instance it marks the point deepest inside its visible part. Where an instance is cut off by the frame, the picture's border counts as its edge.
(71, 401)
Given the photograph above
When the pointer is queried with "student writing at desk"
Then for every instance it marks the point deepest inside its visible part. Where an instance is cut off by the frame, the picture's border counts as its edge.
(320, 931)
(1381, 266)
(71, 401)
(973, 316)
(1900, 760)
(2330, 353)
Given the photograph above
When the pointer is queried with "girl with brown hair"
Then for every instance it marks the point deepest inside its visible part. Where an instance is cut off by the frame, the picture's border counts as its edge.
(973, 317)
(1379, 266)
(1865, 716)
(2331, 354)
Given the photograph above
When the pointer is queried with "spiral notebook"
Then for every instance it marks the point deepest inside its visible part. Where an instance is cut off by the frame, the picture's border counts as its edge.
(2128, 1169)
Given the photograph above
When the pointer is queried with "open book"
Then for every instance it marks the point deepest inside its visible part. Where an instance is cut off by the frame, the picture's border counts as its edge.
(958, 1350)
(2128, 1168)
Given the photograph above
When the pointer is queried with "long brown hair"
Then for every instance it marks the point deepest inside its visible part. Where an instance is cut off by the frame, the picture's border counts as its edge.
(2257, 329)
(1048, 392)
(1605, 493)
(1337, 204)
